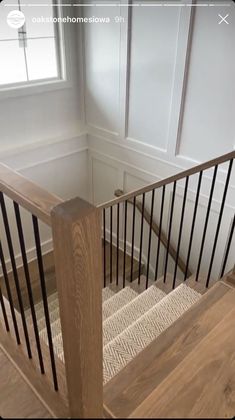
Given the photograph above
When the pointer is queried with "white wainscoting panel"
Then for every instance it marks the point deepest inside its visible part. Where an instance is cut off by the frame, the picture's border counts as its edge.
(208, 126)
(105, 181)
(152, 64)
(102, 72)
(59, 167)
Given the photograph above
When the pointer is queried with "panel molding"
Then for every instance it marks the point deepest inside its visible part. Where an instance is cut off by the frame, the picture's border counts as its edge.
(133, 141)
(38, 154)
(112, 150)
(92, 128)
(184, 42)
(124, 75)
(47, 246)
(149, 177)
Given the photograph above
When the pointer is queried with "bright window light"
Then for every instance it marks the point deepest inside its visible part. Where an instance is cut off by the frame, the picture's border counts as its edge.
(31, 53)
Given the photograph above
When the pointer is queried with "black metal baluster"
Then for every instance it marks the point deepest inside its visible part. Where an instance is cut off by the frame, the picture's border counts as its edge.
(219, 221)
(28, 284)
(117, 255)
(160, 231)
(124, 255)
(133, 238)
(206, 222)
(15, 274)
(111, 245)
(104, 250)
(228, 248)
(141, 236)
(180, 230)
(9, 295)
(193, 224)
(169, 231)
(150, 238)
(44, 299)
(4, 311)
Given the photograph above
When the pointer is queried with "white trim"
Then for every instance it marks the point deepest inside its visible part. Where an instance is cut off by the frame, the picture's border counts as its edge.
(34, 88)
(45, 161)
(16, 151)
(203, 200)
(124, 69)
(92, 128)
(11, 151)
(64, 65)
(103, 158)
(150, 177)
(183, 44)
(46, 246)
(152, 152)
(142, 143)
(174, 163)
(35, 155)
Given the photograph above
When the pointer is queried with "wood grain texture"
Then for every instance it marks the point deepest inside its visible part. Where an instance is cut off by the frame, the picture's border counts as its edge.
(129, 390)
(17, 400)
(78, 260)
(181, 175)
(57, 402)
(49, 270)
(203, 384)
(27, 194)
(120, 266)
(230, 279)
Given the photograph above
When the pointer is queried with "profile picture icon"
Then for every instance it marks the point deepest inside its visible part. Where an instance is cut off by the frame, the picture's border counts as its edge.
(16, 19)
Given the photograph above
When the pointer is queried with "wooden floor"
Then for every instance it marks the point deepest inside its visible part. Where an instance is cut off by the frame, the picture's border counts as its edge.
(49, 272)
(17, 400)
(188, 372)
(112, 276)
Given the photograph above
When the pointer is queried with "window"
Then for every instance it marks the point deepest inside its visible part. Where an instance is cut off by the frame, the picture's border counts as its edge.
(30, 54)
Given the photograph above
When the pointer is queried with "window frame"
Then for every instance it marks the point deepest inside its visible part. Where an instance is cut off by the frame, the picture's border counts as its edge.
(64, 67)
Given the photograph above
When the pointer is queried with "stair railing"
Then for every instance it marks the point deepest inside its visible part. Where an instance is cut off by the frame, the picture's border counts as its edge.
(77, 242)
(73, 388)
(156, 230)
(133, 238)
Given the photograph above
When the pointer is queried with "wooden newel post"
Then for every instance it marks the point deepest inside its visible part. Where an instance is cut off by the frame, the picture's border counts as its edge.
(76, 229)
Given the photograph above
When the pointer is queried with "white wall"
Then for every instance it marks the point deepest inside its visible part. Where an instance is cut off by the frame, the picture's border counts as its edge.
(42, 136)
(28, 117)
(59, 167)
(158, 95)
(42, 131)
(171, 69)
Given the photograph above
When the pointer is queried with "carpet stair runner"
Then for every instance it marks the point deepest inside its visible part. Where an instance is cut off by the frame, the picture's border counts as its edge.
(131, 321)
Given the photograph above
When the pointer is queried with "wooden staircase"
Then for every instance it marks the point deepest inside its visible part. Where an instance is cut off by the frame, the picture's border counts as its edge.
(171, 360)
(49, 267)
(188, 372)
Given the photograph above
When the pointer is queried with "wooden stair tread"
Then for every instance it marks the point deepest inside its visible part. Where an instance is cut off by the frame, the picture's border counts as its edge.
(42, 385)
(230, 279)
(129, 391)
(205, 380)
(49, 271)
(167, 285)
(17, 400)
(121, 259)
(200, 284)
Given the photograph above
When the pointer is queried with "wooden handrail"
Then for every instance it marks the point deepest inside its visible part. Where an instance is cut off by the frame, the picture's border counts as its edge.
(26, 193)
(181, 175)
(155, 228)
(76, 227)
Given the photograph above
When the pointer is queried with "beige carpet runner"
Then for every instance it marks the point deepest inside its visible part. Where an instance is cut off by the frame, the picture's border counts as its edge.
(131, 321)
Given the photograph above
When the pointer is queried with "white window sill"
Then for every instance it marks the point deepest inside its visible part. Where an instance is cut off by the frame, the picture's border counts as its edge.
(34, 88)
